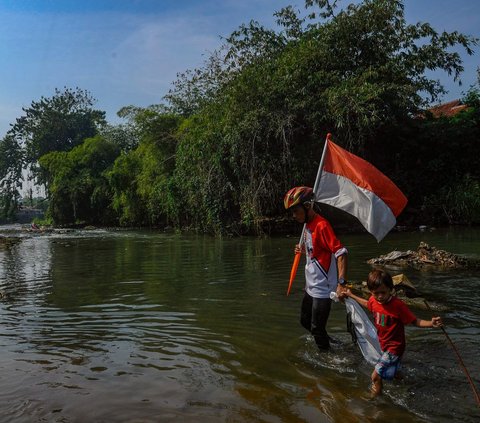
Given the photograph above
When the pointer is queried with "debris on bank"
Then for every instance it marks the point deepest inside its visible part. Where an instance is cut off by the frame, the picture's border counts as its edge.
(424, 256)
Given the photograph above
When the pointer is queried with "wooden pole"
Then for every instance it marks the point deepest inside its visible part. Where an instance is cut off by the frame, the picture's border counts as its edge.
(462, 365)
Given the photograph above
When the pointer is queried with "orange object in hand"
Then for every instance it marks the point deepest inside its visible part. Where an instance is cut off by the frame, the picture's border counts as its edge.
(293, 272)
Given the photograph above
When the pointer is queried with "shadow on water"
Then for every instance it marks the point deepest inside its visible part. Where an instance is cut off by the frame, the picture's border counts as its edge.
(142, 326)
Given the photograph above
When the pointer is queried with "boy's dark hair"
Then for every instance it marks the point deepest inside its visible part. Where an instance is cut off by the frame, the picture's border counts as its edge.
(378, 277)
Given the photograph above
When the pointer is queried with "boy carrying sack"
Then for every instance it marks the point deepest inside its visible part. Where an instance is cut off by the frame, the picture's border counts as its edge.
(390, 317)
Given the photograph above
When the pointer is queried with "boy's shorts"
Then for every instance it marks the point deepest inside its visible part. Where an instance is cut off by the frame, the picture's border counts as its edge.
(388, 365)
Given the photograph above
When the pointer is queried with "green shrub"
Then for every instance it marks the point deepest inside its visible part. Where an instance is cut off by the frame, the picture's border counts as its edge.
(459, 203)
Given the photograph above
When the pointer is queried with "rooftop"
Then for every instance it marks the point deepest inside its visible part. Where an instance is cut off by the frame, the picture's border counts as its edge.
(448, 109)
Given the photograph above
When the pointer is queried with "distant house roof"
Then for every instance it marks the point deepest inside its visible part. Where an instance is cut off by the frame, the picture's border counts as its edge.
(447, 109)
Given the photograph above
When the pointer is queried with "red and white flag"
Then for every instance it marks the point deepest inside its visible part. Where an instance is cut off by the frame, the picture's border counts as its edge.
(352, 184)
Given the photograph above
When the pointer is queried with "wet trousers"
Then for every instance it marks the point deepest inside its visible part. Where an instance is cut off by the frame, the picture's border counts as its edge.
(314, 316)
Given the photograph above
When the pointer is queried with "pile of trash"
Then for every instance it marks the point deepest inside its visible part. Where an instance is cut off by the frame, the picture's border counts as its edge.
(424, 256)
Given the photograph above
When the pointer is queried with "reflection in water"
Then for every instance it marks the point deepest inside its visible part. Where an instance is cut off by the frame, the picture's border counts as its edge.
(123, 326)
(25, 268)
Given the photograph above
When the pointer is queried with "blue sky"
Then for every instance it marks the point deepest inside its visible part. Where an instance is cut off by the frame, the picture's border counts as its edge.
(128, 52)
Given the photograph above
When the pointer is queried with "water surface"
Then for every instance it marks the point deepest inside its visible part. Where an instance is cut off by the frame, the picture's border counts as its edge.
(142, 326)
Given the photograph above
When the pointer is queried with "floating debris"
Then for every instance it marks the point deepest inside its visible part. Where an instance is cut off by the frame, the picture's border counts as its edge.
(424, 256)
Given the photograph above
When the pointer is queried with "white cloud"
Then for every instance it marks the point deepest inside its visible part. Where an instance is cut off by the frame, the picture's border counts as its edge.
(148, 59)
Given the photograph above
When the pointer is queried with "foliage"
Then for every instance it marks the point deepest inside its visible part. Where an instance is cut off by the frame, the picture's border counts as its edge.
(124, 136)
(78, 187)
(200, 174)
(250, 44)
(439, 151)
(11, 161)
(447, 151)
(141, 178)
(46, 221)
(58, 123)
(355, 71)
(40, 203)
(457, 203)
(256, 117)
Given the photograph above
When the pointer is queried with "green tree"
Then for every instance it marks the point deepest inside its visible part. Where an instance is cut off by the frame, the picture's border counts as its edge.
(126, 201)
(58, 123)
(141, 178)
(353, 71)
(78, 186)
(202, 174)
(258, 116)
(125, 136)
(11, 161)
(195, 89)
(440, 157)
(364, 68)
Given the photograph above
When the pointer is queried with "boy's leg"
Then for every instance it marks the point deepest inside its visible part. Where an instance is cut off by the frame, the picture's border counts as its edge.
(386, 368)
(306, 312)
(377, 383)
(314, 316)
(320, 312)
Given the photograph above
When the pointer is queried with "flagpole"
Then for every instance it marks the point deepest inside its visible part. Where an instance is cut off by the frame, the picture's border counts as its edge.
(319, 176)
(317, 179)
(315, 188)
(320, 166)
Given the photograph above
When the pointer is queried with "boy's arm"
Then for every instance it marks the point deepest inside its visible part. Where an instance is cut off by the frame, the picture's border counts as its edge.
(342, 271)
(342, 266)
(362, 301)
(436, 322)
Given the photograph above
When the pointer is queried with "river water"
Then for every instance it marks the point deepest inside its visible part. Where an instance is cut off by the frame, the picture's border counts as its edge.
(141, 326)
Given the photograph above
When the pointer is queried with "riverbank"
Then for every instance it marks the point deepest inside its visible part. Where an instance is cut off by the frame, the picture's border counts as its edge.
(342, 222)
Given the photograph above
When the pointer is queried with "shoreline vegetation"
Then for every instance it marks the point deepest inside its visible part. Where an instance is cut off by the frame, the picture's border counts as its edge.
(218, 152)
(272, 227)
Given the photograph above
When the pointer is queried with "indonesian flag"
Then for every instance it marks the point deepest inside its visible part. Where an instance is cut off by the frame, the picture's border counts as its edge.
(352, 184)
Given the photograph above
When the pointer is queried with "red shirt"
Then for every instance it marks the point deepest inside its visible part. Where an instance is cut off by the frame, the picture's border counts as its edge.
(322, 248)
(390, 320)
